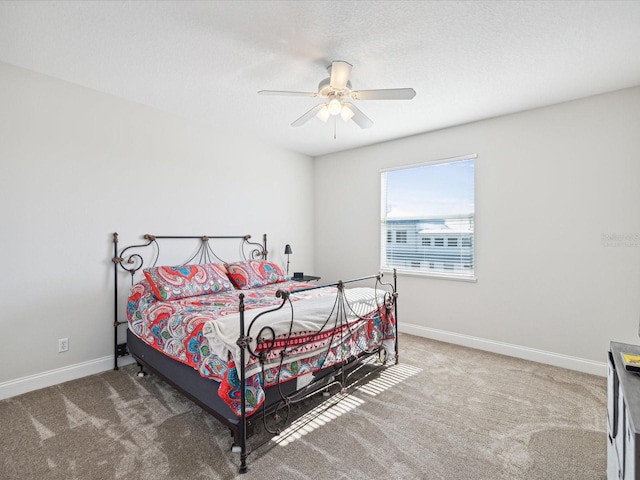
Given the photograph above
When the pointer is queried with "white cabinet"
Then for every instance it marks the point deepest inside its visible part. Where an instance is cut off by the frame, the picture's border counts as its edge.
(623, 415)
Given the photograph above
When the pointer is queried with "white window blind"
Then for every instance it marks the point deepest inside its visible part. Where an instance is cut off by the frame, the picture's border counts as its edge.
(428, 218)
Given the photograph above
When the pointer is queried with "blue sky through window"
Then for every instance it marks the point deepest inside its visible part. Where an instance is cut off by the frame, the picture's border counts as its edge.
(436, 190)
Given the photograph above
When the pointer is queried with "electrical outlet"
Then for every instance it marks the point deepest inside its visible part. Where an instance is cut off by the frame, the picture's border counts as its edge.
(63, 345)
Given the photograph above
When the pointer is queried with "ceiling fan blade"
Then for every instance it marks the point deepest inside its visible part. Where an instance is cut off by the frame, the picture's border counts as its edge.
(358, 117)
(340, 72)
(385, 94)
(308, 116)
(291, 94)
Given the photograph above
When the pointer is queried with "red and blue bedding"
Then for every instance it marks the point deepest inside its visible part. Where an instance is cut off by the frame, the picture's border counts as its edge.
(200, 329)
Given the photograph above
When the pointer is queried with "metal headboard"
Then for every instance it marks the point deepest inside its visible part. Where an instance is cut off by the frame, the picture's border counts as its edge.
(132, 262)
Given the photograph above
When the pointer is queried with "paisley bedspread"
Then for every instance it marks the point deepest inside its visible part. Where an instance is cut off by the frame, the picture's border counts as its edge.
(179, 328)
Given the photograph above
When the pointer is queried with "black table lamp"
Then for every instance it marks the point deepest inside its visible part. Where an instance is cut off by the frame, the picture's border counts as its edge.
(287, 252)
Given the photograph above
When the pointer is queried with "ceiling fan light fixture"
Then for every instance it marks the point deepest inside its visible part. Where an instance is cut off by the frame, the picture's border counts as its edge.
(323, 114)
(346, 113)
(336, 92)
(334, 106)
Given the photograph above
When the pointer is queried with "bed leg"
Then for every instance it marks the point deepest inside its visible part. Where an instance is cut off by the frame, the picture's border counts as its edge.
(235, 448)
(395, 314)
(243, 343)
(243, 463)
(141, 373)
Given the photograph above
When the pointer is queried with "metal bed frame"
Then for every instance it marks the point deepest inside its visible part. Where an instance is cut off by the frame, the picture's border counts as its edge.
(203, 391)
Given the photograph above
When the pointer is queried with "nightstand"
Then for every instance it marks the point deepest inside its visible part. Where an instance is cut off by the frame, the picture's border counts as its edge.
(306, 278)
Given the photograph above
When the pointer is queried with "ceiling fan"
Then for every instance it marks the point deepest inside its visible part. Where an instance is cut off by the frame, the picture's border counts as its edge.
(336, 93)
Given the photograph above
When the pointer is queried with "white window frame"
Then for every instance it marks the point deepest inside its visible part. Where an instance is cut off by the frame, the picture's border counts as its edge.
(428, 268)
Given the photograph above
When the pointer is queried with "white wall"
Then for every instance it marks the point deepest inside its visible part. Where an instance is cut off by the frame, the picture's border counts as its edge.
(549, 184)
(77, 165)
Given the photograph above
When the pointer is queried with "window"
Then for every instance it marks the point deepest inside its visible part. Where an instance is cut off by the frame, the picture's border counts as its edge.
(430, 211)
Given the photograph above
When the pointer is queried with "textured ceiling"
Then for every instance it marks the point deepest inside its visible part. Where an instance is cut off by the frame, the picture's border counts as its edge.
(467, 60)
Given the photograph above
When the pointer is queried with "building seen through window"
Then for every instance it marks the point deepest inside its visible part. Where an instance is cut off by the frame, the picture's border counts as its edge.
(428, 218)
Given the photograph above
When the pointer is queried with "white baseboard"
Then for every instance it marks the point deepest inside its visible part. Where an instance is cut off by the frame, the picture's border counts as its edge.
(59, 375)
(540, 356)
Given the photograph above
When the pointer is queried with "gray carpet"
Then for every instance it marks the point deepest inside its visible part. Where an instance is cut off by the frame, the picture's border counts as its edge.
(445, 412)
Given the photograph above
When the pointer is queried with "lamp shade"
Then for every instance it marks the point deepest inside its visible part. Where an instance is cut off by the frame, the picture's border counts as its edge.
(346, 113)
(323, 114)
(334, 106)
(287, 249)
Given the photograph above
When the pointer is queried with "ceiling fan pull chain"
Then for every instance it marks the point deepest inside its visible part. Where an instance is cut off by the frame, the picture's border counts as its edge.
(335, 123)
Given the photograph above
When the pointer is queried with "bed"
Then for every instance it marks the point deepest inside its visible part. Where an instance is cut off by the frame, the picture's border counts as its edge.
(238, 336)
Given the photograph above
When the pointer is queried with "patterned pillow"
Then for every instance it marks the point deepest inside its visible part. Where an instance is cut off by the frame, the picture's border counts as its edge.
(254, 273)
(182, 281)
